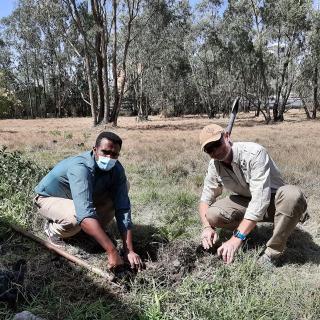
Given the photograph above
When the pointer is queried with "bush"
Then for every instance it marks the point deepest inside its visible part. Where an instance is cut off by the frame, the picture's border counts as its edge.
(18, 177)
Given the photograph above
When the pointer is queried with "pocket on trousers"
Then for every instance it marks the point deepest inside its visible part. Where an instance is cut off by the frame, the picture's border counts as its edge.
(230, 214)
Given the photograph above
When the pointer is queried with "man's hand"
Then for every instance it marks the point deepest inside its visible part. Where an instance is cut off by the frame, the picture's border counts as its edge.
(228, 249)
(114, 259)
(134, 260)
(209, 237)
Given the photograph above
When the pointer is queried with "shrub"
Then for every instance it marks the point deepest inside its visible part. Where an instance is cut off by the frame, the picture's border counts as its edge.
(18, 177)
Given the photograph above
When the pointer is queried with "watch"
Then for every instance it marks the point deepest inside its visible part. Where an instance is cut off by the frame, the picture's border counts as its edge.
(239, 235)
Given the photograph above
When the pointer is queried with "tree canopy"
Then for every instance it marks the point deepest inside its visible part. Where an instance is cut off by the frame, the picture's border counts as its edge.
(99, 58)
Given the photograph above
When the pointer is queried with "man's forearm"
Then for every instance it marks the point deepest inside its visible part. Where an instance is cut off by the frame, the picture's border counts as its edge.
(93, 228)
(203, 210)
(127, 240)
(246, 226)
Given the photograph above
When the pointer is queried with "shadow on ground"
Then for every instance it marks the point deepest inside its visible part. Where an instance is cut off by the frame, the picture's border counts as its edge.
(301, 248)
(147, 241)
(53, 288)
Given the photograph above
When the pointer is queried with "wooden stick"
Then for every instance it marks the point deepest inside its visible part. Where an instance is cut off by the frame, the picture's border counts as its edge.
(65, 254)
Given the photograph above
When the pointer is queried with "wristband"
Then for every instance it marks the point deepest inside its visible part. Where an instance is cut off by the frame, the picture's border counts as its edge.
(239, 235)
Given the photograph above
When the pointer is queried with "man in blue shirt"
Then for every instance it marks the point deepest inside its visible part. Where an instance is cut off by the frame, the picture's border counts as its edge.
(86, 192)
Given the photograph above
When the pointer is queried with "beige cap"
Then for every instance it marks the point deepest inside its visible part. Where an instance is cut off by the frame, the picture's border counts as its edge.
(210, 133)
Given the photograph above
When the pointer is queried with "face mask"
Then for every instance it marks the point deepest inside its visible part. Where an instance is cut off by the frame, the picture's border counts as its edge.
(106, 163)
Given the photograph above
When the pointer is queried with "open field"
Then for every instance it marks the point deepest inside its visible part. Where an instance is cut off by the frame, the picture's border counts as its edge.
(165, 169)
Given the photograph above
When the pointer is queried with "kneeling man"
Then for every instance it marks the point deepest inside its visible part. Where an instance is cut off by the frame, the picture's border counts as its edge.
(86, 192)
(258, 194)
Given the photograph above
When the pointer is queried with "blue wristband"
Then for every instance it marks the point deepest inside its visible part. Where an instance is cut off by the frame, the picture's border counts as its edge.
(239, 235)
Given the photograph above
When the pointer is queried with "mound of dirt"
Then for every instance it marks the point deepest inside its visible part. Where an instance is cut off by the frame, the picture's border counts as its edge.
(177, 260)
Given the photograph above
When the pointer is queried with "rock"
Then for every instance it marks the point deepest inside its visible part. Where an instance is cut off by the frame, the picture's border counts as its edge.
(176, 263)
(26, 315)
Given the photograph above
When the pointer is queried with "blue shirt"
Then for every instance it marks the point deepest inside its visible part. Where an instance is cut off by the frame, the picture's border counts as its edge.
(80, 179)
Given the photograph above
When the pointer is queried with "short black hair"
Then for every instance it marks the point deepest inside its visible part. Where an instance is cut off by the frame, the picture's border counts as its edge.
(110, 136)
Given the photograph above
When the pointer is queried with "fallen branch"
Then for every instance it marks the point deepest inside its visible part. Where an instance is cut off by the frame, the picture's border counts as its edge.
(63, 253)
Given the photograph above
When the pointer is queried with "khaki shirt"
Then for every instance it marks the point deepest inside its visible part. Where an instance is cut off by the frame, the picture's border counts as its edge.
(254, 174)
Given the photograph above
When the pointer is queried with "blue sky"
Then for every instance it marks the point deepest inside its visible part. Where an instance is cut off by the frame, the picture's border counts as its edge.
(6, 6)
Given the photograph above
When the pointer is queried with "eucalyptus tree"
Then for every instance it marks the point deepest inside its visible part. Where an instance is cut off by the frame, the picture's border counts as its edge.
(261, 90)
(129, 13)
(251, 60)
(22, 35)
(287, 23)
(57, 57)
(83, 45)
(43, 61)
(159, 70)
(240, 57)
(308, 80)
(9, 104)
(207, 55)
(175, 84)
(147, 59)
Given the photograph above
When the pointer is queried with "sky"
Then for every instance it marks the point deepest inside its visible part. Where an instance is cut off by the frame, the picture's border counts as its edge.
(6, 6)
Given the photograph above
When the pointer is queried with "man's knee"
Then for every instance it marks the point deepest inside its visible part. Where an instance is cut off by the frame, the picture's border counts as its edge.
(213, 216)
(65, 229)
(222, 218)
(290, 201)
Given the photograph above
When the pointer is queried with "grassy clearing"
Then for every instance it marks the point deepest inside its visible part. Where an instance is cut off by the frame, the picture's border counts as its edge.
(165, 170)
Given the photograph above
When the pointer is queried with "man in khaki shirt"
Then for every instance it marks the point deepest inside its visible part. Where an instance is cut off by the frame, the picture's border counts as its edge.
(258, 194)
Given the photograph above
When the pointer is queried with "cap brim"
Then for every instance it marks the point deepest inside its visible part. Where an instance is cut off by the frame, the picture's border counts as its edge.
(212, 139)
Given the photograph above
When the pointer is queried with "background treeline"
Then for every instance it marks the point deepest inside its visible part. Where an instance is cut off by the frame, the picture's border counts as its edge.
(99, 58)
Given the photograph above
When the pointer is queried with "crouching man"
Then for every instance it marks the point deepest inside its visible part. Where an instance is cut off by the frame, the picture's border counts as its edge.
(86, 192)
(258, 194)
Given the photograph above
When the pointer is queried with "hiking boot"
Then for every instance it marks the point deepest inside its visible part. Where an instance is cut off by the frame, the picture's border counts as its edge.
(53, 238)
(267, 262)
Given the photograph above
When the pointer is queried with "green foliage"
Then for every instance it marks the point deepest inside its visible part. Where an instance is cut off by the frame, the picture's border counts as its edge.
(8, 103)
(18, 177)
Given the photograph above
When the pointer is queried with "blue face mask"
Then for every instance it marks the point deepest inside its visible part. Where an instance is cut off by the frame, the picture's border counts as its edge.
(106, 163)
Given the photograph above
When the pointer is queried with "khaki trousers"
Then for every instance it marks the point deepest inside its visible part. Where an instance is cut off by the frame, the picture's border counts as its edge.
(287, 207)
(62, 213)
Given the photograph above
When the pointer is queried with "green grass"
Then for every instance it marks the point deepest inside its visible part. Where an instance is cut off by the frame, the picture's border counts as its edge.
(241, 291)
(199, 287)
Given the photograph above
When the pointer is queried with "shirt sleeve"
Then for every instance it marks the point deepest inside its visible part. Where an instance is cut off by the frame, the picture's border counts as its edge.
(80, 182)
(259, 185)
(212, 187)
(122, 203)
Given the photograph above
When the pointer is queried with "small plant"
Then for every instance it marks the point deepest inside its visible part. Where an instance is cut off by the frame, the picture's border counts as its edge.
(68, 135)
(55, 133)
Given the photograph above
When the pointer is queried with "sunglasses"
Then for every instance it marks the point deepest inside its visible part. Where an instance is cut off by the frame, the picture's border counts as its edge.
(210, 147)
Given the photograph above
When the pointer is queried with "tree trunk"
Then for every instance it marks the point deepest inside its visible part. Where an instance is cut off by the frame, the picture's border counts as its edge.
(106, 92)
(132, 13)
(29, 90)
(98, 18)
(91, 95)
(305, 108)
(315, 93)
(76, 17)
(114, 66)
(99, 77)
